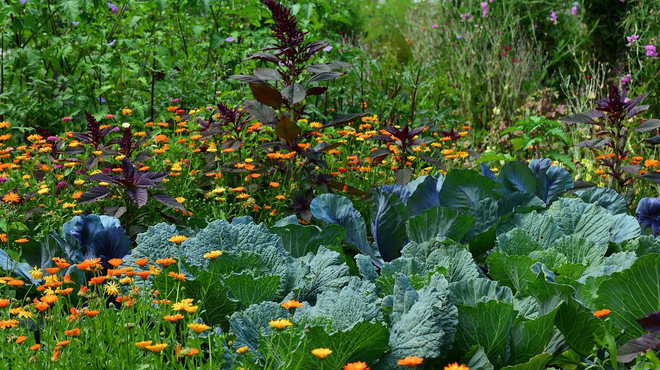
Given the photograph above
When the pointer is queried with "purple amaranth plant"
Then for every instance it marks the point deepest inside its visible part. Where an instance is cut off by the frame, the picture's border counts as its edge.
(612, 114)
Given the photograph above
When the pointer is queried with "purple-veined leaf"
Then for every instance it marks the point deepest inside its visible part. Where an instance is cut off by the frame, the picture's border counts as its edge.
(651, 322)
(316, 90)
(103, 177)
(379, 154)
(325, 76)
(632, 103)
(261, 112)
(652, 176)
(579, 118)
(156, 176)
(629, 351)
(264, 56)
(266, 94)
(654, 140)
(138, 195)
(143, 181)
(287, 130)
(114, 211)
(267, 74)
(245, 78)
(632, 169)
(326, 147)
(294, 94)
(93, 194)
(168, 201)
(403, 176)
(385, 138)
(637, 110)
(649, 125)
(318, 68)
(338, 65)
(91, 162)
(344, 118)
(433, 161)
(127, 169)
(594, 143)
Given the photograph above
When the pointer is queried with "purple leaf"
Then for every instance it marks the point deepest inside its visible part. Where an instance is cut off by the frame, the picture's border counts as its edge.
(93, 194)
(628, 352)
(168, 201)
(138, 195)
(651, 322)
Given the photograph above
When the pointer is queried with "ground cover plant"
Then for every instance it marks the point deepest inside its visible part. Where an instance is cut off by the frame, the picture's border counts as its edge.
(281, 185)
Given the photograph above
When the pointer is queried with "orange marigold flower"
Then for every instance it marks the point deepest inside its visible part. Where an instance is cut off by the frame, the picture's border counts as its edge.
(16, 283)
(91, 313)
(73, 332)
(63, 343)
(291, 303)
(4, 324)
(410, 361)
(602, 313)
(115, 262)
(356, 366)
(21, 339)
(3, 237)
(157, 347)
(142, 261)
(11, 198)
(242, 350)
(175, 276)
(651, 163)
(144, 344)
(49, 298)
(35, 347)
(166, 261)
(143, 274)
(41, 306)
(21, 241)
(4, 302)
(97, 280)
(456, 366)
(52, 270)
(173, 318)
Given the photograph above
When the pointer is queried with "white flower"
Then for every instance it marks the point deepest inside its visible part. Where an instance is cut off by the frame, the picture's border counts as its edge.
(125, 125)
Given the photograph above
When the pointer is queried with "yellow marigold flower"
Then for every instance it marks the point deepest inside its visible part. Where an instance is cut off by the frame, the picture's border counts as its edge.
(456, 366)
(242, 350)
(111, 288)
(321, 353)
(126, 111)
(166, 261)
(410, 361)
(43, 191)
(198, 328)
(36, 273)
(181, 305)
(177, 239)
(280, 324)
(315, 125)
(68, 205)
(602, 313)
(291, 303)
(144, 344)
(154, 270)
(212, 255)
(156, 348)
(180, 199)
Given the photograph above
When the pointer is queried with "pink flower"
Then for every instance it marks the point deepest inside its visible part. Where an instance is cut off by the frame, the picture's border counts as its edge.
(651, 51)
(66, 119)
(435, 25)
(109, 116)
